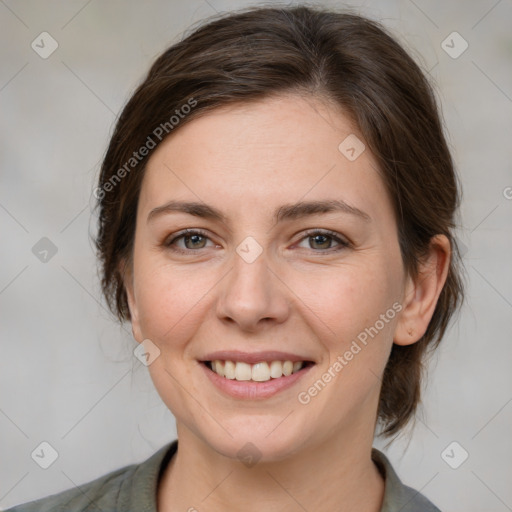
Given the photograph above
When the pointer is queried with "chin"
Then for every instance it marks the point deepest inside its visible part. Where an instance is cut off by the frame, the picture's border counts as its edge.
(259, 440)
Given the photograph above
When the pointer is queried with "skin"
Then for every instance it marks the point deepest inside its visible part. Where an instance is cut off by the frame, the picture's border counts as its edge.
(300, 295)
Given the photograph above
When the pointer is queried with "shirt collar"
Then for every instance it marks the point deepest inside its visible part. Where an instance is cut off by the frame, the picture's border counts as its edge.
(397, 496)
(140, 491)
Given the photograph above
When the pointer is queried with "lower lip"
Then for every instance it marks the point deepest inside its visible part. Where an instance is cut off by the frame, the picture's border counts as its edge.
(248, 389)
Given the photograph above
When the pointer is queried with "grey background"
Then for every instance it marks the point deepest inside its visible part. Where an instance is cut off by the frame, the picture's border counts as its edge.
(68, 375)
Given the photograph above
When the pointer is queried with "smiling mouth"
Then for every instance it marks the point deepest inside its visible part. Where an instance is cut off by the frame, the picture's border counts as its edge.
(258, 372)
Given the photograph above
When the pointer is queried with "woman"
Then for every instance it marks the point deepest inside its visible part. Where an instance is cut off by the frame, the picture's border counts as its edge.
(276, 212)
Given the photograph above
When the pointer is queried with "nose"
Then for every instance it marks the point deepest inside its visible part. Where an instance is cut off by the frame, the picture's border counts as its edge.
(253, 296)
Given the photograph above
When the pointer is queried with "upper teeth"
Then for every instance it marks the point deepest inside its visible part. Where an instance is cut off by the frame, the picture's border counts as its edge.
(259, 372)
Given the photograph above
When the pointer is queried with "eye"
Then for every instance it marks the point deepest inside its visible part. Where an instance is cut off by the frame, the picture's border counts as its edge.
(321, 241)
(193, 239)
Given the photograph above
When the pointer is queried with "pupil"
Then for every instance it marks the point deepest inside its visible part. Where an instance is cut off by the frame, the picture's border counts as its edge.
(320, 237)
(195, 239)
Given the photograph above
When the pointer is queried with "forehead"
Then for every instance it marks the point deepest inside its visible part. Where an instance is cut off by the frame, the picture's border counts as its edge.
(265, 153)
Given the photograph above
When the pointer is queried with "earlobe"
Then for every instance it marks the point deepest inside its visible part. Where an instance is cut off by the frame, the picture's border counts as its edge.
(422, 292)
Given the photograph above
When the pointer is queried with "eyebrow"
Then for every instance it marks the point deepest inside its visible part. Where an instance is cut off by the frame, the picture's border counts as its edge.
(284, 212)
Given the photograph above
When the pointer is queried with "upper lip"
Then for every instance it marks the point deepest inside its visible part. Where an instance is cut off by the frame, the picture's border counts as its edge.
(253, 357)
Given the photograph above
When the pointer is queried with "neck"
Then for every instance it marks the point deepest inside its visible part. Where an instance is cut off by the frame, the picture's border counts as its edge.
(336, 475)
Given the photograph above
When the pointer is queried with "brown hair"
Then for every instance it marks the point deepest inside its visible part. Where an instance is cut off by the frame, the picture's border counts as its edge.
(253, 54)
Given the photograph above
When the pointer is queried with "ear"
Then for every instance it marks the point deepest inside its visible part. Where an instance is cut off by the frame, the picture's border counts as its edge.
(422, 292)
(126, 270)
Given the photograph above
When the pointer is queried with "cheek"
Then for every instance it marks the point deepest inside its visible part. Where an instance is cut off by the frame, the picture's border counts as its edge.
(347, 300)
(172, 303)
(355, 323)
(169, 300)
(354, 319)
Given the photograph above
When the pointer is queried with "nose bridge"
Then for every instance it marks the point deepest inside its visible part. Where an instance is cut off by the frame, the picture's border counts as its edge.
(252, 292)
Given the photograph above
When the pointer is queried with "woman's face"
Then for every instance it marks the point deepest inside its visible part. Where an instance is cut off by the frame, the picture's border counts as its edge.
(271, 276)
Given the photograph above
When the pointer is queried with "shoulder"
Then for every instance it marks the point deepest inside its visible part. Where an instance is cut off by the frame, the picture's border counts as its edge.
(130, 487)
(397, 496)
(97, 494)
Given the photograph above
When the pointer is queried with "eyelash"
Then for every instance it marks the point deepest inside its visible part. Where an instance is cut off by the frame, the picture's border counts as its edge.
(342, 244)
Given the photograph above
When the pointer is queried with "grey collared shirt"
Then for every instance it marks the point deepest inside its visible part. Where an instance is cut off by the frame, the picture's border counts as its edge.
(133, 488)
